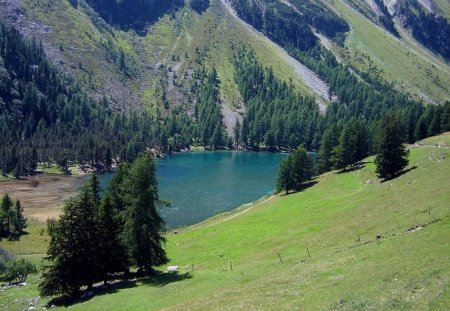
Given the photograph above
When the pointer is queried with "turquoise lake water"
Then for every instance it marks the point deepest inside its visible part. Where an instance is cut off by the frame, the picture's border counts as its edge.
(203, 184)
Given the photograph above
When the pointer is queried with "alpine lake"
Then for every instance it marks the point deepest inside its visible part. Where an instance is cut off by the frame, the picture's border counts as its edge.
(202, 184)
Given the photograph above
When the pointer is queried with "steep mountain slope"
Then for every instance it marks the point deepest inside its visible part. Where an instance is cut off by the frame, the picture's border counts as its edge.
(131, 66)
(183, 64)
(83, 44)
(403, 61)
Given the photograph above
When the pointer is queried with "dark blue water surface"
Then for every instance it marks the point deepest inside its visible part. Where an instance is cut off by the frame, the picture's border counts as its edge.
(203, 184)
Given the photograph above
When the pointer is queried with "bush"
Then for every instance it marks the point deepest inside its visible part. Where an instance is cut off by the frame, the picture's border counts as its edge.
(16, 270)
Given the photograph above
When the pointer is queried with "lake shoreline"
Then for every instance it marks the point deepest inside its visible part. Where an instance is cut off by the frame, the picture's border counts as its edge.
(43, 195)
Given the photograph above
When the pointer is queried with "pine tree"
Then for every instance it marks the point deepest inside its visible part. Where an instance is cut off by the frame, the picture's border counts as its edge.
(65, 274)
(330, 139)
(296, 169)
(344, 154)
(112, 254)
(392, 155)
(73, 249)
(143, 227)
(301, 167)
(284, 179)
(5, 215)
(19, 222)
(116, 184)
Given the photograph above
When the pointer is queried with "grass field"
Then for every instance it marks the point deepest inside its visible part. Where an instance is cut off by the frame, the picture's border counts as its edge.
(412, 67)
(440, 140)
(326, 237)
(443, 7)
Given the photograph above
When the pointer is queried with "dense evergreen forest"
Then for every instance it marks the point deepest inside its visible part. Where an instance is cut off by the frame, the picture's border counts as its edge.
(285, 26)
(276, 116)
(279, 118)
(45, 116)
(209, 131)
(360, 96)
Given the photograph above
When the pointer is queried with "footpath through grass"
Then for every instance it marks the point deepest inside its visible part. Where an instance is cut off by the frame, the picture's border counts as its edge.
(313, 250)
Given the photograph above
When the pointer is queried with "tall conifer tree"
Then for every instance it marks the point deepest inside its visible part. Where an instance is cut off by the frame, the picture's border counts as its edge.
(392, 155)
(143, 227)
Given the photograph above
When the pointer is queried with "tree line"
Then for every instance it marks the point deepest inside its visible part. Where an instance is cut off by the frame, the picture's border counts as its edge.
(285, 26)
(348, 149)
(99, 237)
(277, 117)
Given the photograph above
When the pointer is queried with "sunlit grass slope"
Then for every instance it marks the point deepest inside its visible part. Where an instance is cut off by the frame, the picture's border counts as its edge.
(413, 68)
(337, 220)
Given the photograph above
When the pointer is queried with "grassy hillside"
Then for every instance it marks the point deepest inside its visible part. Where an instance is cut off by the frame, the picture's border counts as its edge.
(337, 220)
(442, 7)
(403, 61)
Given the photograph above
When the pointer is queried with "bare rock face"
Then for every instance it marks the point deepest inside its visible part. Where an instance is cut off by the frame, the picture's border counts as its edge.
(392, 6)
(428, 5)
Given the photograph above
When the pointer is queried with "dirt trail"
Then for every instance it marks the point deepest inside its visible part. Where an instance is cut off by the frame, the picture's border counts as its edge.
(244, 211)
(308, 76)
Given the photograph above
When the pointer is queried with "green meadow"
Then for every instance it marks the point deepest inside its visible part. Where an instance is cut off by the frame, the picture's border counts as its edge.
(346, 242)
(403, 61)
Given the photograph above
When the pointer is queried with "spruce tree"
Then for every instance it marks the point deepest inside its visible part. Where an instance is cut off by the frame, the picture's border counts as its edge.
(112, 254)
(73, 250)
(64, 274)
(296, 169)
(330, 139)
(116, 184)
(301, 167)
(392, 155)
(143, 228)
(284, 179)
(19, 222)
(5, 220)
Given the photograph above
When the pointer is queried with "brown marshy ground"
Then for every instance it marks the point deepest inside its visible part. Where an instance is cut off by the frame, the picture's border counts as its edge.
(42, 196)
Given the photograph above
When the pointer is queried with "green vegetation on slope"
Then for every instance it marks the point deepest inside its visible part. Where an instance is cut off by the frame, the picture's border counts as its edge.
(411, 67)
(337, 220)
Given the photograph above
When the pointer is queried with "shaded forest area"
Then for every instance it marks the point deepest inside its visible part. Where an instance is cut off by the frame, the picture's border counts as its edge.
(430, 29)
(132, 14)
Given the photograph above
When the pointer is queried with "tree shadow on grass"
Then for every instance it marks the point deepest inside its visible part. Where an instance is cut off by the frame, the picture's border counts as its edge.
(162, 279)
(159, 279)
(353, 168)
(303, 187)
(400, 174)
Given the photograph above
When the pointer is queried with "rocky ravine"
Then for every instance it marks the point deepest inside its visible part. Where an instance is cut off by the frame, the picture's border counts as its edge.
(317, 85)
